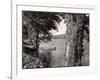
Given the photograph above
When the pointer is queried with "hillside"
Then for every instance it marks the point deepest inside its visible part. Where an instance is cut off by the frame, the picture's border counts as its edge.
(62, 36)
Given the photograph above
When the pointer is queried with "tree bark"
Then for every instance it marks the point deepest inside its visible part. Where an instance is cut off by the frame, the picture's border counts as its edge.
(74, 39)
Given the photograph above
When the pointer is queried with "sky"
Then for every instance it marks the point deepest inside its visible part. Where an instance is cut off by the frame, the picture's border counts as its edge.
(61, 29)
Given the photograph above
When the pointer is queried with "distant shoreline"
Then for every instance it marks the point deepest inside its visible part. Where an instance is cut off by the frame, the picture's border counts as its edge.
(62, 36)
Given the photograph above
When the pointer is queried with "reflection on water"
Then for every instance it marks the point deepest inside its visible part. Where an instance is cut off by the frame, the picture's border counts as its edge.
(54, 53)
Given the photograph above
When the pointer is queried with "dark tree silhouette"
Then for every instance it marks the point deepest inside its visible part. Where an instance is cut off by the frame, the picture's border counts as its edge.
(37, 26)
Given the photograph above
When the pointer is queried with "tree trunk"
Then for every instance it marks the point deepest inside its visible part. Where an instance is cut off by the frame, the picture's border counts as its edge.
(74, 37)
(37, 43)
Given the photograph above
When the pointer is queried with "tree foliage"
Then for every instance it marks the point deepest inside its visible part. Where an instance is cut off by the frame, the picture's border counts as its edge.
(37, 26)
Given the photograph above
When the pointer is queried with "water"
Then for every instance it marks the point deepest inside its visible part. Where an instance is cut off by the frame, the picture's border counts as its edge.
(57, 48)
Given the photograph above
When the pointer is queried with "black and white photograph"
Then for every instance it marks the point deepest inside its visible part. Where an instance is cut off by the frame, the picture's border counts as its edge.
(55, 39)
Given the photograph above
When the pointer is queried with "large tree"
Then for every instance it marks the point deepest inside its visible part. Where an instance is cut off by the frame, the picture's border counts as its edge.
(76, 25)
(37, 26)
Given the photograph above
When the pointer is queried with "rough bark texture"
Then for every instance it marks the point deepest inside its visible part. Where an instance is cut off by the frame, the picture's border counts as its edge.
(74, 35)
